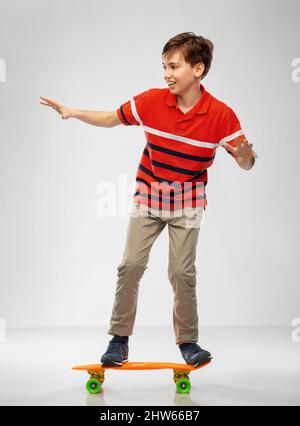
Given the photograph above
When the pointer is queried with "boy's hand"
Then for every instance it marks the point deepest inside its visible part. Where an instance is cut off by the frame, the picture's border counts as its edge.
(242, 150)
(62, 110)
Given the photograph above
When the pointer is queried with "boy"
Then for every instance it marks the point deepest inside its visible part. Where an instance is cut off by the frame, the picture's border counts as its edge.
(183, 124)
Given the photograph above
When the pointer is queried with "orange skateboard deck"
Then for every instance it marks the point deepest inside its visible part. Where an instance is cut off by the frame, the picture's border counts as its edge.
(180, 377)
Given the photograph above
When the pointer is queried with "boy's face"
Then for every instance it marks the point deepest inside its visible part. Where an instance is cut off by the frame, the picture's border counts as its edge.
(178, 71)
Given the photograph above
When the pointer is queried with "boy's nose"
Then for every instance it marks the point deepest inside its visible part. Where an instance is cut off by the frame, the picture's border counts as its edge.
(168, 78)
(167, 75)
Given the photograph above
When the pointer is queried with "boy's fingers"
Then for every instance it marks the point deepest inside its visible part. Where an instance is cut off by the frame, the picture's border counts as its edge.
(230, 147)
(45, 99)
(52, 106)
(241, 141)
(50, 101)
(238, 141)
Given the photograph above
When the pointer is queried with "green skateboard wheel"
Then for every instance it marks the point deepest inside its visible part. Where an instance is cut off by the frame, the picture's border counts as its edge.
(93, 386)
(183, 386)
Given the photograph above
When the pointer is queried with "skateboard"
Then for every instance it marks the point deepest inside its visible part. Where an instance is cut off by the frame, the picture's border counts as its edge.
(180, 376)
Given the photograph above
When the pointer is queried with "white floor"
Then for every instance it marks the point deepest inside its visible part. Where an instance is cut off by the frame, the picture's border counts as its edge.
(251, 366)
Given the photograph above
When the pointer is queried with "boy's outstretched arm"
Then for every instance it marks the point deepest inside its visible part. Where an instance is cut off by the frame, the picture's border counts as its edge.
(96, 118)
(242, 153)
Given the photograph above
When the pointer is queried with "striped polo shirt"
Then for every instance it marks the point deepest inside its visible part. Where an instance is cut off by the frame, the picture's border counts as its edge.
(180, 147)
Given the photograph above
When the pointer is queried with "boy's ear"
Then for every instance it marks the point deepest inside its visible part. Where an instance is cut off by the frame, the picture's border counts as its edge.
(200, 67)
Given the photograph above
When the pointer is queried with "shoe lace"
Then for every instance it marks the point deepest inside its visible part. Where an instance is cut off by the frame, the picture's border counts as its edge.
(113, 344)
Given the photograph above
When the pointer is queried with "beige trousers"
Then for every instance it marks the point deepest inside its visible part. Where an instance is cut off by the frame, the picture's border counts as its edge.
(144, 226)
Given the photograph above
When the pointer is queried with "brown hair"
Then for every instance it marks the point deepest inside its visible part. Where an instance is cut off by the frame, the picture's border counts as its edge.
(194, 48)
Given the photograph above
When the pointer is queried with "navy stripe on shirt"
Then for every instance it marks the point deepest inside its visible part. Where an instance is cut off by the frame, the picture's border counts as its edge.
(167, 166)
(159, 179)
(172, 193)
(180, 154)
(123, 115)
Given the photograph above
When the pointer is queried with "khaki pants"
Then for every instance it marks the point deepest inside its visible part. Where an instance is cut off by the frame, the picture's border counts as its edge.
(145, 225)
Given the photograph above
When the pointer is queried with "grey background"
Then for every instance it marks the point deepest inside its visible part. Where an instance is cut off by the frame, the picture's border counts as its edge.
(58, 257)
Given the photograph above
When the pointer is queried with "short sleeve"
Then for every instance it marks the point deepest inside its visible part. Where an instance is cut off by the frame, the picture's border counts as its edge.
(134, 111)
(231, 129)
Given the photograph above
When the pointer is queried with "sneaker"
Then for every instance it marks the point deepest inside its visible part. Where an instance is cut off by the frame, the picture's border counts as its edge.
(116, 353)
(194, 355)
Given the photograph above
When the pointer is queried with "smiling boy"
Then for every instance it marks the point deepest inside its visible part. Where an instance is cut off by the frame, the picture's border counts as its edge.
(184, 125)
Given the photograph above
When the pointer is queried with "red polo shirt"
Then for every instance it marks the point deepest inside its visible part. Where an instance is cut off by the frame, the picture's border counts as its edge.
(180, 147)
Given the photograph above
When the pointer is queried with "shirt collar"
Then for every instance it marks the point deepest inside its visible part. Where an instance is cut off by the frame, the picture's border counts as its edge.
(200, 107)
